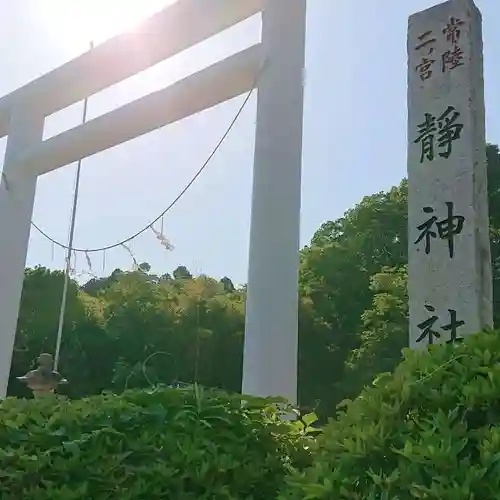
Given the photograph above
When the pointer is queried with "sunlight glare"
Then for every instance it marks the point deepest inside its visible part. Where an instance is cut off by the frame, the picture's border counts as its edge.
(77, 22)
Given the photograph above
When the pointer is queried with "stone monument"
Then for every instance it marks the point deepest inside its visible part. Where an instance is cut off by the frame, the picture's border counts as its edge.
(449, 268)
(43, 380)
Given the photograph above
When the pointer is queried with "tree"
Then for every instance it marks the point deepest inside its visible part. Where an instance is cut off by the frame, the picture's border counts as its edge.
(385, 323)
(353, 288)
(144, 267)
(134, 328)
(83, 338)
(182, 273)
(95, 285)
(335, 288)
(228, 284)
(385, 329)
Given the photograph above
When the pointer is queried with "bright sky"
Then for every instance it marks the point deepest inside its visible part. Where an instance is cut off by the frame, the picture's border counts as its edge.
(354, 142)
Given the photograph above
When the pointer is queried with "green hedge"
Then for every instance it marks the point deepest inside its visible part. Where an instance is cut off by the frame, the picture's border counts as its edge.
(145, 445)
(429, 431)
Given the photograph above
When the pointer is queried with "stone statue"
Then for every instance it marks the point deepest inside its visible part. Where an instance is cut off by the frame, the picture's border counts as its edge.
(44, 380)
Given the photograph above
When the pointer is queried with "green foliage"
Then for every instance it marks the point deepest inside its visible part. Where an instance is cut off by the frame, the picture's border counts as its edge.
(131, 329)
(156, 444)
(335, 289)
(385, 329)
(429, 431)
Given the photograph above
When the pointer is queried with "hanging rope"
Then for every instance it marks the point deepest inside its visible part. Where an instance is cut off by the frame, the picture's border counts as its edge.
(169, 207)
(123, 243)
(67, 271)
(69, 247)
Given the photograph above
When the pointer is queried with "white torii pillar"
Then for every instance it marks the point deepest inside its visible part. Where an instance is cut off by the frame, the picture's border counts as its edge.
(271, 328)
(25, 131)
(271, 325)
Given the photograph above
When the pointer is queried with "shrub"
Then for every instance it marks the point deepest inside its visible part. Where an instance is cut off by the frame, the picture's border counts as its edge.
(429, 431)
(173, 444)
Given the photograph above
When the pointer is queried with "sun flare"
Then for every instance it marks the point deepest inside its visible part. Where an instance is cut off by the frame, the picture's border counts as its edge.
(78, 22)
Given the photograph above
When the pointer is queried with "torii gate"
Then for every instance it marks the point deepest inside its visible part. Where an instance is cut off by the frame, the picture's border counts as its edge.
(271, 338)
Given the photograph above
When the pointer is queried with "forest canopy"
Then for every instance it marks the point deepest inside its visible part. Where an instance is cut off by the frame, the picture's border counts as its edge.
(136, 328)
